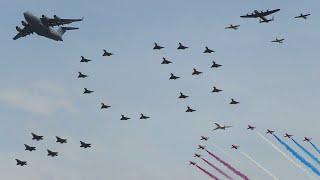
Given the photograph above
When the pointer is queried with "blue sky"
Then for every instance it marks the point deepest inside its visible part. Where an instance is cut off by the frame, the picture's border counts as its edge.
(277, 86)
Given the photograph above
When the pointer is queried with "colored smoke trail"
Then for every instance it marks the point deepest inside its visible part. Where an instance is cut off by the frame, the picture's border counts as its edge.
(225, 153)
(315, 147)
(259, 165)
(296, 155)
(208, 173)
(307, 152)
(228, 166)
(217, 169)
(284, 154)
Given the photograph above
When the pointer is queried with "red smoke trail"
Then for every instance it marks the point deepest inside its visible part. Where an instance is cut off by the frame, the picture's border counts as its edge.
(208, 173)
(243, 176)
(216, 168)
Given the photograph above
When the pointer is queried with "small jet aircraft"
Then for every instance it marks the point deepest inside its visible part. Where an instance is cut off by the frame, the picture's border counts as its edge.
(201, 147)
(204, 138)
(173, 77)
(87, 91)
(83, 59)
(234, 27)
(288, 135)
(157, 47)
(215, 65)
(106, 53)
(82, 75)
(307, 139)
(165, 61)
(196, 72)
(189, 109)
(124, 117)
(303, 16)
(182, 96)
(182, 47)
(250, 127)
(36, 137)
(269, 131)
(44, 26)
(262, 15)
(84, 145)
(142, 116)
(216, 90)
(234, 101)
(29, 148)
(52, 153)
(219, 126)
(21, 163)
(207, 50)
(278, 40)
(234, 146)
(192, 163)
(104, 106)
(197, 155)
(60, 140)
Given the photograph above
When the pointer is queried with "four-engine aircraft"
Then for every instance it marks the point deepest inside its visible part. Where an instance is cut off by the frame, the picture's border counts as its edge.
(261, 14)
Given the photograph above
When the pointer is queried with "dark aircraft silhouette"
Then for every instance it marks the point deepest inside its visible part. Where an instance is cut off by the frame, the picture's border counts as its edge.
(216, 90)
(250, 127)
(234, 146)
(104, 106)
(21, 163)
(201, 147)
(196, 72)
(278, 40)
(36, 137)
(82, 75)
(307, 139)
(234, 27)
(189, 109)
(262, 15)
(29, 148)
(182, 46)
(182, 96)
(52, 153)
(303, 16)
(142, 116)
(197, 155)
(269, 131)
(234, 101)
(192, 163)
(83, 59)
(165, 61)
(288, 135)
(173, 77)
(215, 65)
(157, 47)
(204, 138)
(87, 91)
(124, 117)
(61, 140)
(84, 145)
(207, 50)
(106, 53)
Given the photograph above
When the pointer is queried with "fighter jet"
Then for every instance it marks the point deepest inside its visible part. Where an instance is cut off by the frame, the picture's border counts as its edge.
(173, 77)
(234, 101)
(288, 135)
(262, 15)
(165, 61)
(250, 127)
(44, 26)
(201, 147)
(204, 138)
(219, 126)
(197, 155)
(216, 90)
(87, 91)
(142, 116)
(196, 72)
(189, 109)
(234, 146)
(182, 47)
(84, 145)
(269, 131)
(60, 140)
(124, 117)
(307, 139)
(82, 75)
(21, 163)
(36, 137)
(215, 65)
(278, 40)
(192, 163)
(29, 148)
(303, 16)
(52, 153)
(182, 96)
(157, 47)
(83, 59)
(207, 50)
(104, 106)
(106, 53)
(234, 27)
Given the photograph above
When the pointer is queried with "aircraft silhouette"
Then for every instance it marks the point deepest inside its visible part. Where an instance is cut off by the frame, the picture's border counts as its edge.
(84, 145)
(192, 163)
(106, 53)
(189, 109)
(234, 146)
(83, 59)
(165, 61)
(21, 163)
(251, 127)
(52, 153)
(278, 40)
(234, 27)
(182, 96)
(216, 90)
(303, 16)
(197, 155)
(29, 148)
(182, 47)
(215, 65)
(288, 135)
(204, 138)
(207, 50)
(124, 117)
(307, 139)
(61, 140)
(201, 147)
(86, 91)
(173, 77)
(219, 126)
(157, 47)
(196, 72)
(269, 131)
(82, 75)
(142, 116)
(234, 101)
(104, 106)
(262, 15)
(36, 137)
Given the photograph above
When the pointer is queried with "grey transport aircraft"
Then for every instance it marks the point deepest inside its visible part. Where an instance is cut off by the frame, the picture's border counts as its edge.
(261, 14)
(43, 26)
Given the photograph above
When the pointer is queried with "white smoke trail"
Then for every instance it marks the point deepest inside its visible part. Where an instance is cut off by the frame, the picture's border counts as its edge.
(259, 165)
(285, 155)
(225, 153)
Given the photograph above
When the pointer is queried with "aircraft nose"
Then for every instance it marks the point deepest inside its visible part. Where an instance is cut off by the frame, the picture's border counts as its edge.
(27, 15)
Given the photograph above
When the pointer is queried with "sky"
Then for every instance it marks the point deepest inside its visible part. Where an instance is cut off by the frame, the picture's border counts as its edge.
(276, 84)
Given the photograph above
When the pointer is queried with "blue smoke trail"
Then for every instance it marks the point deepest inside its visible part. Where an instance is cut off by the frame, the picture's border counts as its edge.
(315, 147)
(297, 156)
(307, 152)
